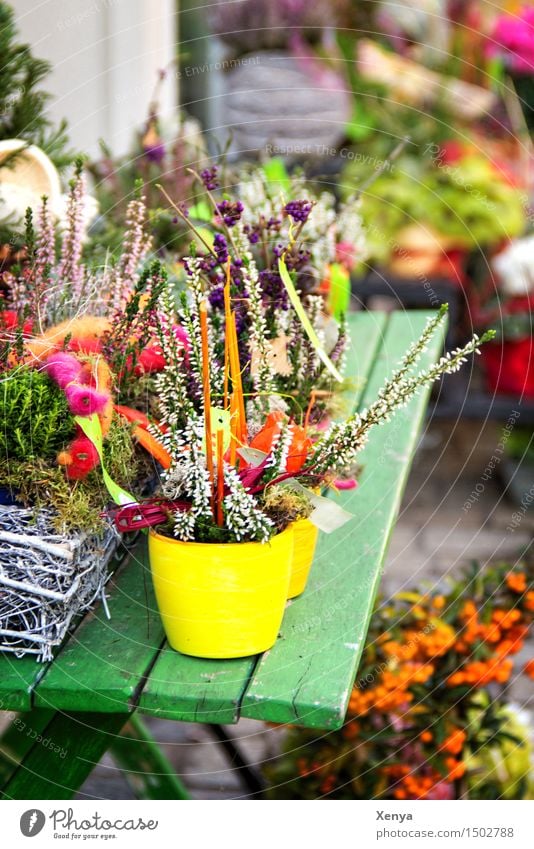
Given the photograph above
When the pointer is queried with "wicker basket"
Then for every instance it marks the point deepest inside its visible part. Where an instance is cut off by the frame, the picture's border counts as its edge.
(46, 579)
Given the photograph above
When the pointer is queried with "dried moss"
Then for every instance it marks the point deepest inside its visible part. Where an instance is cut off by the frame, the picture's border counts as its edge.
(283, 506)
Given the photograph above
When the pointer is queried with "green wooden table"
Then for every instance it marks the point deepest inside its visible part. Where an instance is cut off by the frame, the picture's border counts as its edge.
(89, 699)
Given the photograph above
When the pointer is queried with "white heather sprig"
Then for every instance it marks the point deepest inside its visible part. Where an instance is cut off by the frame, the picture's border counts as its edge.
(196, 288)
(344, 440)
(264, 377)
(171, 387)
(277, 460)
(242, 517)
(191, 323)
(314, 305)
(188, 476)
(184, 525)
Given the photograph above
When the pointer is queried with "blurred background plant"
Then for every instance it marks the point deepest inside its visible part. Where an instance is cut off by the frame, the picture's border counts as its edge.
(428, 717)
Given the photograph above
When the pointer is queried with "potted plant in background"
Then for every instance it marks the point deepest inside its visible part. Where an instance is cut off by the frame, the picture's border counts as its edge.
(506, 303)
(424, 216)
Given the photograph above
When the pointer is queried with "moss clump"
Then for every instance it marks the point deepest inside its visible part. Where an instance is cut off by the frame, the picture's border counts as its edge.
(35, 421)
(283, 505)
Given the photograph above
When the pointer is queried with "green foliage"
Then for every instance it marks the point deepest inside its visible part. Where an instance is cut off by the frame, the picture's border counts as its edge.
(35, 418)
(22, 102)
(465, 201)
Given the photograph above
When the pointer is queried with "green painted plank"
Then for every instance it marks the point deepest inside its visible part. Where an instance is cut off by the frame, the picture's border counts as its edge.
(18, 738)
(18, 677)
(308, 675)
(147, 770)
(57, 768)
(103, 665)
(194, 690)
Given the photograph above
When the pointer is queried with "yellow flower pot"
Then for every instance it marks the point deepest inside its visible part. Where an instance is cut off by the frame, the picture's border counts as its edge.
(221, 601)
(305, 542)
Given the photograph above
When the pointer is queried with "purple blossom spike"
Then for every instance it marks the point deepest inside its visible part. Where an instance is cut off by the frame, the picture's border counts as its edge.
(221, 248)
(209, 177)
(299, 210)
(230, 211)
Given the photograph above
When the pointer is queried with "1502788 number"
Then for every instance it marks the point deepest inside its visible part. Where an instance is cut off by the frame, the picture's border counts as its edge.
(484, 831)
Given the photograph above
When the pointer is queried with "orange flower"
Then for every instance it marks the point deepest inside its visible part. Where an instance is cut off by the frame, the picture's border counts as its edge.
(454, 743)
(529, 600)
(426, 736)
(516, 581)
(456, 768)
(529, 668)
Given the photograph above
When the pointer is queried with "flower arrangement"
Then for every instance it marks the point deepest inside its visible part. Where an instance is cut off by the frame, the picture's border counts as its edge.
(72, 337)
(428, 716)
(77, 347)
(255, 361)
(243, 464)
(505, 302)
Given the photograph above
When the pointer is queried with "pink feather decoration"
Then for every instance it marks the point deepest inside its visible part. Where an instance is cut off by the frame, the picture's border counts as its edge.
(66, 371)
(85, 400)
(63, 368)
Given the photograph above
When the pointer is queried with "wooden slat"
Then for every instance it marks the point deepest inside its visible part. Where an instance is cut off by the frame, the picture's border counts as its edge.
(146, 769)
(18, 738)
(75, 744)
(193, 690)
(308, 675)
(102, 667)
(18, 677)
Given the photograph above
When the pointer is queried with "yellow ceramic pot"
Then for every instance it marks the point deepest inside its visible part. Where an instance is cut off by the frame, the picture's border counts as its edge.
(305, 542)
(221, 601)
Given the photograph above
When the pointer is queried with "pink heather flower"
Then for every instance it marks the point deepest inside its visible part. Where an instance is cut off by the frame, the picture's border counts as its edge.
(71, 271)
(513, 40)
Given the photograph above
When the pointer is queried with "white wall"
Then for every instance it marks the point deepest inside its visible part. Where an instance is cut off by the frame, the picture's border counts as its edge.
(105, 56)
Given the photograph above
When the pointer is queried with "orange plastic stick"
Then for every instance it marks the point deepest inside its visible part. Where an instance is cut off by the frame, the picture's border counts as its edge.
(154, 448)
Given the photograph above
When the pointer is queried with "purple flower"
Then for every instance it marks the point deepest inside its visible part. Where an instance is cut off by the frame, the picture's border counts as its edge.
(299, 210)
(209, 177)
(153, 146)
(273, 290)
(216, 297)
(221, 248)
(230, 211)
